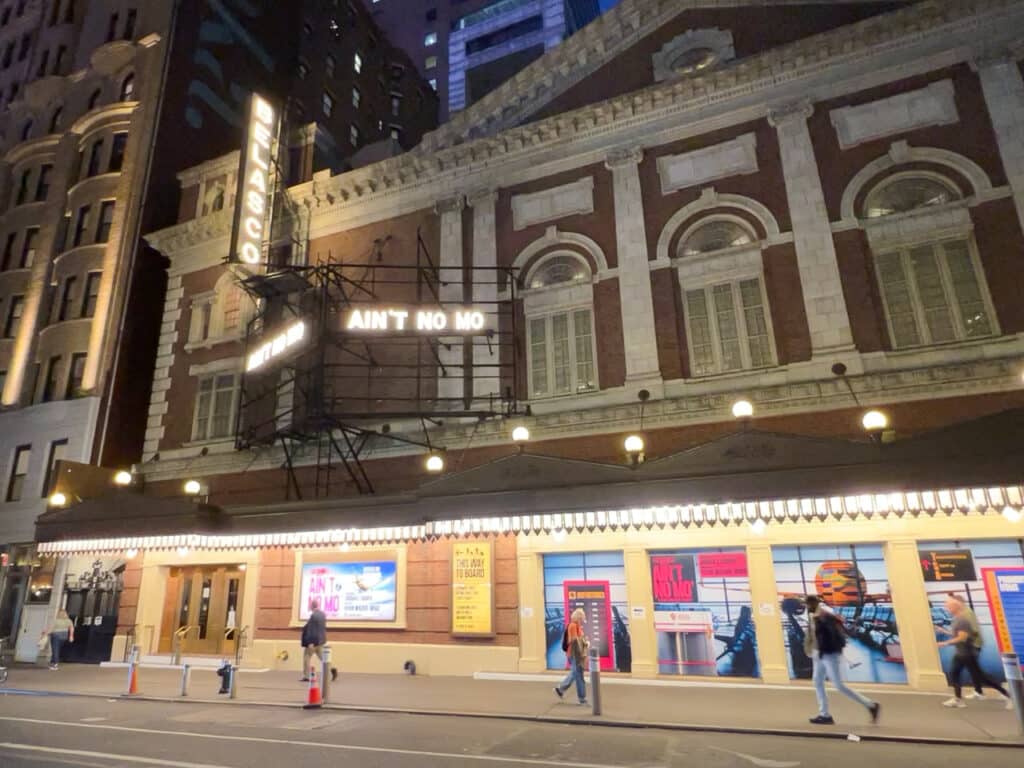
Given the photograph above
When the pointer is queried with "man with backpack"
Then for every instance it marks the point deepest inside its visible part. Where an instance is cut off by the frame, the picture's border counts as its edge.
(575, 645)
(824, 643)
(966, 636)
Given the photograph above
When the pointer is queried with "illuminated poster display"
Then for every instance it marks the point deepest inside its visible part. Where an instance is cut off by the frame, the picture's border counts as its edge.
(473, 588)
(947, 565)
(702, 613)
(278, 345)
(1005, 590)
(254, 183)
(464, 321)
(594, 597)
(350, 591)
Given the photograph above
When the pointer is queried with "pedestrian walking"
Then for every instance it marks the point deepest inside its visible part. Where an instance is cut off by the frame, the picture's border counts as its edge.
(60, 631)
(824, 643)
(965, 636)
(314, 637)
(575, 645)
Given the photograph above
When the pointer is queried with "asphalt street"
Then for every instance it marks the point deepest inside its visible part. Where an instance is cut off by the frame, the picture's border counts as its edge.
(50, 731)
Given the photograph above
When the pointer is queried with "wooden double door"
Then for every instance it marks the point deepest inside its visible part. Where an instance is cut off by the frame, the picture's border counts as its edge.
(203, 605)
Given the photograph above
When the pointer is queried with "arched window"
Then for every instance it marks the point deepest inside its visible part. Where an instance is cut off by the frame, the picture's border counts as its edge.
(929, 276)
(558, 304)
(728, 325)
(56, 119)
(221, 314)
(94, 99)
(128, 88)
(26, 130)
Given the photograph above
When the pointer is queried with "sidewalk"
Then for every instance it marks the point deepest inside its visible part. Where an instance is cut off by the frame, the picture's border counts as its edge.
(906, 716)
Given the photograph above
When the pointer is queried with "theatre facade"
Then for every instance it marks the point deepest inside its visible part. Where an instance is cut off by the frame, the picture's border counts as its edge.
(749, 329)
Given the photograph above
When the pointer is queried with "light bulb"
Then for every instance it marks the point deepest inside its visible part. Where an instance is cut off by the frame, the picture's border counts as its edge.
(742, 409)
(123, 478)
(193, 487)
(634, 444)
(520, 435)
(435, 463)
(875, 421)
(58, 499)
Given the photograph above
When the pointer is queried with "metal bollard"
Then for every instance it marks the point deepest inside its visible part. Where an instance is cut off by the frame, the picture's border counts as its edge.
(595, 681)
(1015, 684)
(325, 674)
(234, 687)
(186, 673)
(133, 661)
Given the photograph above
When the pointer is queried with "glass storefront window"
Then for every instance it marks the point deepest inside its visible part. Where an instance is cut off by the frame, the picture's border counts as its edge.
(597, 582)
(40, 586)
(853, 582)
(956, 567)
(703, 616)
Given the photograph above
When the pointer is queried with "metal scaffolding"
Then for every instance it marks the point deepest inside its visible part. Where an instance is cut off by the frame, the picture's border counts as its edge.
(330, 398)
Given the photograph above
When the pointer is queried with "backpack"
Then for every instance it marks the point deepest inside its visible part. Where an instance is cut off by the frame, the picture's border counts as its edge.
(831, 634)
(565, 640)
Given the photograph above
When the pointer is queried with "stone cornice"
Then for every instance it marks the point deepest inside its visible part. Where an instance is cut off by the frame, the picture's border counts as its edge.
(799, 66)
(227, 164)
(797, 111)
(172, 240)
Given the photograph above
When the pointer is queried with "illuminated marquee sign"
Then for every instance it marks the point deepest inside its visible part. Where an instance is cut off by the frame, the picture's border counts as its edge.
(464, 321)
(279, 345)
(254, 184)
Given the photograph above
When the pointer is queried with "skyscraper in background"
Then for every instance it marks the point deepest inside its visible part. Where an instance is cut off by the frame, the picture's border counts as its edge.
(466, 48)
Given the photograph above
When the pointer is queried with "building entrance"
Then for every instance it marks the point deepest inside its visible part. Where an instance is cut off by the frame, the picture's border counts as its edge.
(201, 609)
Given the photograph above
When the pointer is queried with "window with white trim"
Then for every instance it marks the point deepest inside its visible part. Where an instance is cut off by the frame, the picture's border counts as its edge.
(932, 286)
(216, 401)
(561, 349)
(728, 325)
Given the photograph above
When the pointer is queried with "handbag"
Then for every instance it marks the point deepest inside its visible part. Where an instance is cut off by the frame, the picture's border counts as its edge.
(44, 643)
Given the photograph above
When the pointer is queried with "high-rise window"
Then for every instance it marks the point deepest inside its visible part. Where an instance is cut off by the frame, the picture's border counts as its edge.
(75, 376)
(430, 62)
(14, 312)
(22, 195)
(81, 224)
(8, 251)
(106, 219)
(328, 104)
(58, 452)
(396, 105)
(129, 24)
(330, 65)
(67, 299)
(28, 248)
(95, 154)
(8, 56)
(357, 63)
(92, 292)
(50, 384)
(215, 406)
(430, 39)
(44, 62)
(24, 47)
(58, 63)
(353, 135)
(120, 141)
(112, 27)
(43, 184)
(128, 88)
(19, 471)
(356, 97)
(727, 327)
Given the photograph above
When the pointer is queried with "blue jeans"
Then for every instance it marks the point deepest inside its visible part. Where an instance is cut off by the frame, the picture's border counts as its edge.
(827, 665)
(57, 640)
(575, 673)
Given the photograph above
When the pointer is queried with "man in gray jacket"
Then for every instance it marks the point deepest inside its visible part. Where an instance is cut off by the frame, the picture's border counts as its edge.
(314, 636)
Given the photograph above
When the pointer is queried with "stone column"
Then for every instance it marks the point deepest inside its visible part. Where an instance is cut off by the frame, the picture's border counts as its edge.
(450, 379)
(642, 637)
(764, 601)
(634, 268)
(1003, 86)
(486, 362)
(910, 601)
(532, 636)
(822, 287)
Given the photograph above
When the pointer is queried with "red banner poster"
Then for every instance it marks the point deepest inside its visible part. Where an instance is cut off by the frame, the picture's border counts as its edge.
(673, 579)
(595, 598)
(722, 565)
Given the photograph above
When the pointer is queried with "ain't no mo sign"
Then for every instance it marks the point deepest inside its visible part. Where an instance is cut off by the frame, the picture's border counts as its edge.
(459, 321)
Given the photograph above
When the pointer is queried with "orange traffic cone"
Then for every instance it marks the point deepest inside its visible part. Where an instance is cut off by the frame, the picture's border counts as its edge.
(133, 680)
(313, 700)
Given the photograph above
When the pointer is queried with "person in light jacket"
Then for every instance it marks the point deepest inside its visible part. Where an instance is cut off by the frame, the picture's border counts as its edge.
(60, 631)
(576, 649)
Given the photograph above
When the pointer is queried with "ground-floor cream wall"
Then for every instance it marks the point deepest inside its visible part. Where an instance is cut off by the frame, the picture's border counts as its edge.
(898, 536)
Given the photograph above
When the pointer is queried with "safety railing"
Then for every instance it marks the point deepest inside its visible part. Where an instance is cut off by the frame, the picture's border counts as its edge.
(178, 639)
(241, 636)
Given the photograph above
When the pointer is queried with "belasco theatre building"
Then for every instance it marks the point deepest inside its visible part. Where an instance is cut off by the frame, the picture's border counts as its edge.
(713, 306)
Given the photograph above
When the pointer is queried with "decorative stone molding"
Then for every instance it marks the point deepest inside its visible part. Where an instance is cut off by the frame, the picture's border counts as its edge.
(934, 104)
(731, 158)
(701, 271)
(623, 157)
(786, 113)
(717, 42)
(576, 197)
(482, 198)
(552, 236)
(928, 224)
(450, 205)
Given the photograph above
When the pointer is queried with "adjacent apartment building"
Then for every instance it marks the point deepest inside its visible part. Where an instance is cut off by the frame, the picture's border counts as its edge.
(103, 103)
(466, 48)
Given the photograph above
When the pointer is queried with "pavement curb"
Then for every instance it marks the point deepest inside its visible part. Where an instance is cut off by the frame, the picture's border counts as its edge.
(553, 720)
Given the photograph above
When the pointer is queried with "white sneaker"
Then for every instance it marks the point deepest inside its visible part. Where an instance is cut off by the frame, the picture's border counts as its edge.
(976, 696)
(954, 703)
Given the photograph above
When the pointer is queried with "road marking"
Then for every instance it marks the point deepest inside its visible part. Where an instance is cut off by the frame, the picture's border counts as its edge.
(93, 719)
(760, 762)
(315, 744)
(106, 756)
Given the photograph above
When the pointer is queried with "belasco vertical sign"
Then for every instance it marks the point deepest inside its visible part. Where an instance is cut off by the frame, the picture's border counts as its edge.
(473, 589)
(255, 176)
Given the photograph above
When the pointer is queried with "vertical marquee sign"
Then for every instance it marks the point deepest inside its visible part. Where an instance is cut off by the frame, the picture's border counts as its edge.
(473, 589)
(252, 220)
